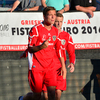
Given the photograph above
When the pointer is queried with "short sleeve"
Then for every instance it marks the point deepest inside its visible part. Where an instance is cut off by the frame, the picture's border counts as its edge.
(32, 38)
(94, 3)
(77, 2)
(66, 2)
(38, 2)
(71, 50)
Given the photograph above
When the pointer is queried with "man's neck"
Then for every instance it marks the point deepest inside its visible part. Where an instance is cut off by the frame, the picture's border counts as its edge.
(47, 26)
(59, 30)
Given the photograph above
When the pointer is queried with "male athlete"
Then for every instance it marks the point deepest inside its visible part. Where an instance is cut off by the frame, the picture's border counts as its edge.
(41, 52)
(65, 43)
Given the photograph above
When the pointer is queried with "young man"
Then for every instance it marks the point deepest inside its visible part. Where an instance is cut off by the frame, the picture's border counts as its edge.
(41, 53)
(65, 43)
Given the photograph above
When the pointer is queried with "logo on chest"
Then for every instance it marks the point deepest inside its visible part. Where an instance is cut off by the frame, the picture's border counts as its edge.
(44, 37)
(54, 38)
(63, 42)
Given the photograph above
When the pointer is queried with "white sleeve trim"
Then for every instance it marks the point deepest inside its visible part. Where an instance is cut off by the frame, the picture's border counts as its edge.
(30, 56)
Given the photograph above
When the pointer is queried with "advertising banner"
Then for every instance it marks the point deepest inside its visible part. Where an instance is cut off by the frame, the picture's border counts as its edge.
(84, 30)
(14, 29)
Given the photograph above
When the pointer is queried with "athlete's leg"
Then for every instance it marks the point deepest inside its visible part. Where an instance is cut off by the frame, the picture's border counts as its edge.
(61, 84)
(51, 82)
(45, 95)
(48, 92)
(58, 94)
(31, 96)
(35, 79)
(51, 92)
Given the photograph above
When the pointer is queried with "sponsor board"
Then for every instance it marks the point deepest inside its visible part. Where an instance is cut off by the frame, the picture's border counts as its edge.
(15, 27)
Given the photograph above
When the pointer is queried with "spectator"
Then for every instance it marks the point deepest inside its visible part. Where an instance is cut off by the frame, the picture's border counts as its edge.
(60, 5)
(87, 6)
(26, 5)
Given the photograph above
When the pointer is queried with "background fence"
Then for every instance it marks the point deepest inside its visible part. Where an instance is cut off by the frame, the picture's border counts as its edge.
(13, 75)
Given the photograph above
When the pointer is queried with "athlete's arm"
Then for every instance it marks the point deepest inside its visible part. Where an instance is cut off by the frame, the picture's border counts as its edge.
(71, 52)
(34, 49)
(63, 69)
(24, 54)
(61, 58)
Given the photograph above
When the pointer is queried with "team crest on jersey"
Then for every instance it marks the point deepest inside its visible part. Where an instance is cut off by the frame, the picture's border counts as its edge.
(63, 42)
(54, 38)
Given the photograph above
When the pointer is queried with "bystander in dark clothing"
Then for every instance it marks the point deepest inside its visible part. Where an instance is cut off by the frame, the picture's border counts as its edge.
(87, 6)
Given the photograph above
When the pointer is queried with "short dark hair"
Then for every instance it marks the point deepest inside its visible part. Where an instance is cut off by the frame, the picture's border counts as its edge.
(59, 15)
(46, 9)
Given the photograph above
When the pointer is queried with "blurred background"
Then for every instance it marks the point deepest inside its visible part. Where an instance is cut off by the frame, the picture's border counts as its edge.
(14, 81)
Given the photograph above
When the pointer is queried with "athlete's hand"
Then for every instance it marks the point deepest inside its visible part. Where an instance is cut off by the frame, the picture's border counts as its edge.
(63, 72)
(72, 67)
(45, 44)
(23, 55)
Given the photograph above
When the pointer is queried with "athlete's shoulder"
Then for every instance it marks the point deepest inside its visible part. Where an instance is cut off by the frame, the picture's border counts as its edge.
(34, 30)
(64, 34)
(37, 26)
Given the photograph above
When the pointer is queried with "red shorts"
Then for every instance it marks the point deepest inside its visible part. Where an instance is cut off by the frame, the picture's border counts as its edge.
(61, 83)
(37, 78)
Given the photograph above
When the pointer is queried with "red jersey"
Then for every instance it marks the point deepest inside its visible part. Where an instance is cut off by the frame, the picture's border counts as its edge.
(37, 36)
(66, 43)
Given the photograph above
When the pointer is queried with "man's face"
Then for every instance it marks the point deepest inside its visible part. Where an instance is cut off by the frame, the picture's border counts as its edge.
(50, 17)
(58, 22)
